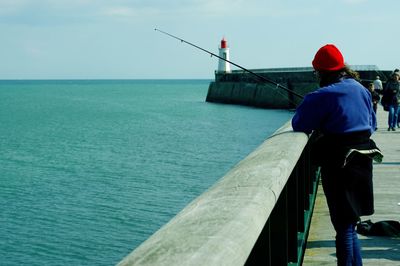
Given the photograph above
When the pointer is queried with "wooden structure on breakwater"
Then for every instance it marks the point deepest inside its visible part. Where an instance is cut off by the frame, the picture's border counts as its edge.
(243, 88)
(257, 214)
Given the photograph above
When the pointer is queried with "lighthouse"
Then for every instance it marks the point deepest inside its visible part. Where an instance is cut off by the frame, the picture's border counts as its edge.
(224, 66)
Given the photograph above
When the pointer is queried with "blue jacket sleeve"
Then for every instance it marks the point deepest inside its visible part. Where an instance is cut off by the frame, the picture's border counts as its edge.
(308, 116)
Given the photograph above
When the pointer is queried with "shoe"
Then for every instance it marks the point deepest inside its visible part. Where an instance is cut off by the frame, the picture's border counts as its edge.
(389, 128)
(393, 129)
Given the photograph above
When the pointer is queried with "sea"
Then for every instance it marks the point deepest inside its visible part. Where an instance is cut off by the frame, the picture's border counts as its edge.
(89, 169)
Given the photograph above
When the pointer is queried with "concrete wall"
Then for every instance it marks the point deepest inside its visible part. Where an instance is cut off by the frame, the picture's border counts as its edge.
(252, 94)
(221, 226)
(244, 88)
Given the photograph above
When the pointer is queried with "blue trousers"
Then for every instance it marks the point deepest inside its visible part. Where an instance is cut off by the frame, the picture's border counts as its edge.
(348, 250)
(398, 116)
(392, 119)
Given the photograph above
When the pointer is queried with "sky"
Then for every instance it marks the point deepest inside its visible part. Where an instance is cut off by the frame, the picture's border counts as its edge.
(104, 39)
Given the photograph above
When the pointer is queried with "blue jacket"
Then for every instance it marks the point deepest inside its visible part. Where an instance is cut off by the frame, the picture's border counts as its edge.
(343, 113)
(339, 108)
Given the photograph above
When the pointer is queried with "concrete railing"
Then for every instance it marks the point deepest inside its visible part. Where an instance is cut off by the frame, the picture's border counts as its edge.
(231, 223)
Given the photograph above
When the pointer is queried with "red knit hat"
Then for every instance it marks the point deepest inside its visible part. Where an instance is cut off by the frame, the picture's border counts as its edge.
(328, 58)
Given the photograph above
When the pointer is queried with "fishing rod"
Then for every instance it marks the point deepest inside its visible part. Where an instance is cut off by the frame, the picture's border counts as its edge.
(232, 63)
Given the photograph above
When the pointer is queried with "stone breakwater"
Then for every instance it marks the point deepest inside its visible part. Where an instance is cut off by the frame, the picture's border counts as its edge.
(243, 88)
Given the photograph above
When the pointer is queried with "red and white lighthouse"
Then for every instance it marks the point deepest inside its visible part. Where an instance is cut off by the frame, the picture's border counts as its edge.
(224, 66)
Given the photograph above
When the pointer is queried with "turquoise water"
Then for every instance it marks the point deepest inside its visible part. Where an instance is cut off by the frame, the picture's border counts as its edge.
(90, 169)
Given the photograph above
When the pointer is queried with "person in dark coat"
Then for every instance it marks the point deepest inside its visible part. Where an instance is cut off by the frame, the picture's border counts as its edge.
(390, 100)
(342, 115)
(375, 96)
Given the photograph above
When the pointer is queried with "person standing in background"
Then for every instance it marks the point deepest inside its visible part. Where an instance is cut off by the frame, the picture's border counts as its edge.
(398, 108)
(397, 71)
(341, 112)
(378, 85)
(375, 96)
(390, 100)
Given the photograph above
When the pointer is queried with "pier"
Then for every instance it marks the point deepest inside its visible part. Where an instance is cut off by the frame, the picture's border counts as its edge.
(375, 250)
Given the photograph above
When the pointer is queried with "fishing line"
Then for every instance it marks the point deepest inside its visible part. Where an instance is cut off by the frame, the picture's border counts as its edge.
(232, 63)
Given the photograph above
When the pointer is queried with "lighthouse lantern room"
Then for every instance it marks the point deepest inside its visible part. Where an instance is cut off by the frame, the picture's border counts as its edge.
(224, 66)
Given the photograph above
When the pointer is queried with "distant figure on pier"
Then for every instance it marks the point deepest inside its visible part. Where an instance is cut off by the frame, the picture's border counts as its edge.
(341, 113)
(378, 85)
(375, 96)
(390, 97)
(398, 99)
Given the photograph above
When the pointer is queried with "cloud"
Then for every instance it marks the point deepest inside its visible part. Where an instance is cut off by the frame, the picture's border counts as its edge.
(12, 6)
(129, 12)
(354, 2)
(242, 8)
(34, 52)
(52, 12)
(47, 12)
(119, 11)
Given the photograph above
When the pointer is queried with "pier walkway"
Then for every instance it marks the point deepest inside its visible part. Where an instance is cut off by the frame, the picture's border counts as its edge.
(375, 250)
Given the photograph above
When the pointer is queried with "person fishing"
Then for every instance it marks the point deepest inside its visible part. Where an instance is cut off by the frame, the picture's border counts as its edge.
(341, 114)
